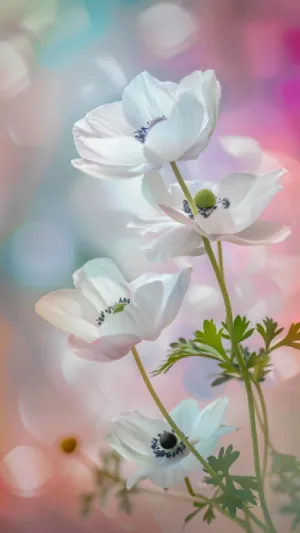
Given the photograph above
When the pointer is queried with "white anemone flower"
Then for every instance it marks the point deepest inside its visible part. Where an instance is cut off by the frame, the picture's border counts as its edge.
(155, 123)
(227, 211)
(105, 316)
(154, 446)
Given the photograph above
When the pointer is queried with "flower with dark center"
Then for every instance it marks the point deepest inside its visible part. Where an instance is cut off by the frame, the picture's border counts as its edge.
(162, 456)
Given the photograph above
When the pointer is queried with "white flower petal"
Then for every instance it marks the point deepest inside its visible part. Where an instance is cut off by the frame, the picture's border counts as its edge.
(176, 215)
(137, 431)
(168, 476)
(122, 155)
(102, 277)
(224, 430)
(126, 451)
(169, 139)
(236, 186)
(146, 309)
(261, 232)
(206, 87)
(110, 172)
(108, 121)
(141, 475)
(146, 98)
(149, 426)
(218, 222)
(175, 288)
(154, 190)
(257, 199)
(210, 419)
(172, 242)
(185, 414)
(106, 349)
(71, 312)
(205, 447)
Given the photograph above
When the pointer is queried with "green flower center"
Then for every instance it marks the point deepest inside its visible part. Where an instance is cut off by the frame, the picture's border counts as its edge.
(119, 307)
(205, 199)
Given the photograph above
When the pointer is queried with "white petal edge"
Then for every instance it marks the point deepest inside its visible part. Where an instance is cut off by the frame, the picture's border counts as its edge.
(71, 312)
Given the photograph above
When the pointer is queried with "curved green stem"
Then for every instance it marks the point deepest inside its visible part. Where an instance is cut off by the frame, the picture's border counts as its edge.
(248, 526)
(190, 447)
(167, 417)
(247, 381)
(184, 188)
(220, 257)
(189, 486)
(264, 428)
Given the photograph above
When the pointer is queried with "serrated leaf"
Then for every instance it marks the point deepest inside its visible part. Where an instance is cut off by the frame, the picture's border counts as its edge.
(242, 329)
(192, 515)
(292, 338)
(221, 379)
(268, 330)
(211, 336)
(239, 490)
(188, 348)
(209, 515)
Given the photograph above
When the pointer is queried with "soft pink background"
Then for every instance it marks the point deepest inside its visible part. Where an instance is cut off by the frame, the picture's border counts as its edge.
(59, 59)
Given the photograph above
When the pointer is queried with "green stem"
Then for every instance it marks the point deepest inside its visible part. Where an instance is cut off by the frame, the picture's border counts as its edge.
(236, 348)
(247, 381)
(189, 486)
(167, 417)
(190, 447)
(184, 188)
(248, 526)
(264, 427)
(220, 257)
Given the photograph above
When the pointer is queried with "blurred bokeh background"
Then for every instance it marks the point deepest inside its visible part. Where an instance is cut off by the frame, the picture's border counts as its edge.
(58, 60)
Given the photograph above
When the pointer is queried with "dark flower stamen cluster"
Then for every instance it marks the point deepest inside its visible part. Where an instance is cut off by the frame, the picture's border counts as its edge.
(110, 310)
(205, 211)
(141, 134)
(166, 445)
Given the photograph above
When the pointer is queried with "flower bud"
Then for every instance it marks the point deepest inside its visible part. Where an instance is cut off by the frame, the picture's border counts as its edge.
(205, 199)
(68, 445)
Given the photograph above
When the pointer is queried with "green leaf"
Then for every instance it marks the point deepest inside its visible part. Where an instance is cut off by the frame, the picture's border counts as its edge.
(209, 515)
(285, 471)
(194, 347)
(239, 490)
(268, 330)
(292, 338)
(222, 378)
(211, 336)
(283, 463)
(241, 328)
(192, 515)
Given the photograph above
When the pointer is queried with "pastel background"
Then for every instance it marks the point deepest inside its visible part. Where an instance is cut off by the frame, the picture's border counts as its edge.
(58, 60)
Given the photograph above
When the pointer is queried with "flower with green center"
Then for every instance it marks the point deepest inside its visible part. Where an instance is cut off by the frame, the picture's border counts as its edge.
(227, 211)
(105, 316)
(119, 307)
(205, 199)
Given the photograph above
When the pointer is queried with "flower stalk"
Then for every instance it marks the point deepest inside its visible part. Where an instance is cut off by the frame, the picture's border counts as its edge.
(237, 350)
(190, 447)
